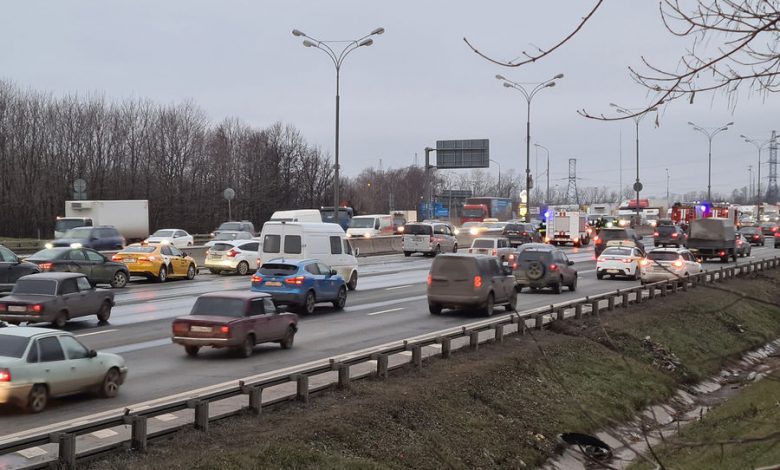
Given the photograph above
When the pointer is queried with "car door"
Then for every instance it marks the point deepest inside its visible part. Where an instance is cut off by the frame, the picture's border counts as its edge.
(76, 262)
(332, 286)
(181, 263)
(251, 252)
(496, 273)
(277, 323)
(6, 263)
(84, 372)
(88, 298)
(569, 273)
(99, 272)
(53, 366)
(320, 286)
(258, 322)
(68, 291)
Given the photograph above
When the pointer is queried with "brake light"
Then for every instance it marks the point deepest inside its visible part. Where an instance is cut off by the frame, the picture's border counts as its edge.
(46, 266)
(674, 235)
(37, 308)
(225, 330)
(116, 258)
(722, 253)
(774, 229)
(147, 259)
(179, 327)
(3, 308)
(644, 262)
(525, 234)
(232, 253)
(596, 239)
(494, 252)
(297, 280)
(477, 282)
(5, 375)
(256, 278)
(429, 281)
(553, 267)
(601, 259)
(656, 234)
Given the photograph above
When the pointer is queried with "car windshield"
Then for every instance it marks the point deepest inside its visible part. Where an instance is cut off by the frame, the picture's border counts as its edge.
(278, 269)
(469, 224)
(617, 252)
(473, 213)
(46, 254)
(226, 236)
(483, 243)
(416, 229)
(220, 306)
(534, 255)
(80, 232)
(163, 233)
(13, 346)
(517, 228)
(362, 222)
(35, 287)
(63, 225)
(614, 235)
(663, 256)
(451, 266)
(139, 249)
(230, 226)
(399, 221)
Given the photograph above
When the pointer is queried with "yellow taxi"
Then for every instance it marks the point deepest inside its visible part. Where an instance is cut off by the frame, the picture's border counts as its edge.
(159, 261)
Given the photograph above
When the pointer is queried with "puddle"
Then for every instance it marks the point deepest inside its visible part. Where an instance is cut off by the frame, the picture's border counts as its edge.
(659, 422)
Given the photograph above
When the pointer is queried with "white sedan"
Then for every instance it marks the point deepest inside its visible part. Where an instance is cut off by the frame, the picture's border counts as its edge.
(619, 261)
(668, 264)
(172, 236)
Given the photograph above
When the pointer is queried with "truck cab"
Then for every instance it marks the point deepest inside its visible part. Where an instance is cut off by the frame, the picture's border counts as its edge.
(63, 224)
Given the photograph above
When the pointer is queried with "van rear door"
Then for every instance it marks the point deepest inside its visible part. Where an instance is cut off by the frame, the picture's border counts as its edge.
(417, 237)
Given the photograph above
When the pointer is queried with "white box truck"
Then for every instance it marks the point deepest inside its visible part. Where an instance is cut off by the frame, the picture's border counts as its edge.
(129, 217)
(568, 227)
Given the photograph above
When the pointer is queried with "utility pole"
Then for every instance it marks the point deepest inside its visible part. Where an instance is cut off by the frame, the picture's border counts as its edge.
(667, 186)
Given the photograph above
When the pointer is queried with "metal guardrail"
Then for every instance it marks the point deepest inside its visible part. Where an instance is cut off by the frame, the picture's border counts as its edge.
(536, 318)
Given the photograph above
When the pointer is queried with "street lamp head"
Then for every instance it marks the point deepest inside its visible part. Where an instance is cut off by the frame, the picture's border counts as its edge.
(500, 77)
(308, 43)
(550, 84)
(560, 75)
(691, 124)
(508, 85)
(378, 31)
(654, 108)
(730, 124)
(614, 105)
(298, 33)
(366, 42)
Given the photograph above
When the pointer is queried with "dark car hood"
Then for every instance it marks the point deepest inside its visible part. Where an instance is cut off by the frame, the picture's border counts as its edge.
(26, 298)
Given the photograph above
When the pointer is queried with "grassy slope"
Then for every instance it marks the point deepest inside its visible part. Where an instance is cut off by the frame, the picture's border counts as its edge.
(501, 407)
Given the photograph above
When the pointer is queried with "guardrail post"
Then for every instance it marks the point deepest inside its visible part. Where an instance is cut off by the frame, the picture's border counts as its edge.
(685, 284)
(539, 324)
(650, 292)
(67, 452)
(638, 295)
(624, 301)
(417, 355)
(474, 340)
(498, 333)
(202, 416)
(381, 365)
(343, 376)
(578, 311)
(138, 433)
(611, 303)
(663, 288)
(446, 347)
(302, 390)
(594, 307)
(256, 400)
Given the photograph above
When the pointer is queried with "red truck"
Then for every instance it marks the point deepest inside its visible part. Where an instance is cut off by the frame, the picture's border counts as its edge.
(477, 209)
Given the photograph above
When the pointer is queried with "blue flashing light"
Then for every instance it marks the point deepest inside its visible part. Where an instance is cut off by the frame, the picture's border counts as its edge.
(547, 215)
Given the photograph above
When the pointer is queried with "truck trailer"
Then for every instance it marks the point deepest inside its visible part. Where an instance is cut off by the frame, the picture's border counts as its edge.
(129, 217)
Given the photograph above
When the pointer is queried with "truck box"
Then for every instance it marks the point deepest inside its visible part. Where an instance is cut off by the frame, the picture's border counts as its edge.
(568, 227)
(713, 238)
(129, 217)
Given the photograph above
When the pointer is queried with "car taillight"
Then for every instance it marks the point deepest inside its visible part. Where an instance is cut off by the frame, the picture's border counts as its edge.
(256, 278)
(644, 262)
(232, 253)
(494, 252)
(477, 282)
(429, 280)
(46, 266)
(225, 330)
(774, 229)
(525, 234)
(656, 234)
(3, 308)
(37, 308)
(596, 239)
(674, 235)
(553, 267)
(5, 375)
(722, 253)
(601, 259)
(627, 260)
(179, 327)
(297, 280)
(116, 258)
(147, 259)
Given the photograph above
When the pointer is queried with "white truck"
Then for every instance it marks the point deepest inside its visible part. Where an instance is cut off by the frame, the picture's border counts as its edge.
(568, 227)
(129, 217)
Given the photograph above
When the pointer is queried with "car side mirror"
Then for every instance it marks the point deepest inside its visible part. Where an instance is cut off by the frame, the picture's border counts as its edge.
(281, 309)
(92, 353)
(357, 252)
(570, 263)
(333, 272)
(184, 253)
(507, 268)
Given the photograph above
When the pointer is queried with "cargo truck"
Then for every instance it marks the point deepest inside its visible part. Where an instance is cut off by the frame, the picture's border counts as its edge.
(129, 217)
(568, 227)
(713, 238)
(477, 209)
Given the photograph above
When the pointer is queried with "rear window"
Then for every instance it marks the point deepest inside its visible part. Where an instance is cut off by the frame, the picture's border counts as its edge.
(665, 229)
(453, 265)
(278, 269)
(13, 346)
(35, 287)
(221, 247)
(617, 252)
(534, 255)
(514, 227)
(272, 243)
(46, 254)
(230, 226)
(138, 249)
(614, 235)
(483, 243)
(218, 306)
(663, 256)
(749, 230)
(413, 229)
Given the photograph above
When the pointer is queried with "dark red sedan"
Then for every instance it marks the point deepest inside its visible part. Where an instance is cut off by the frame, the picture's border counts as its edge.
(238, 320)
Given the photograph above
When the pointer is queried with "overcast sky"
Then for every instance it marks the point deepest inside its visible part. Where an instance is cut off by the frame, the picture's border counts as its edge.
(417, 84)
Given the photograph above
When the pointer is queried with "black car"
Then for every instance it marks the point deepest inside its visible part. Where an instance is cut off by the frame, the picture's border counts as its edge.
(743, 245)
(97, 268)
(520, 233)
(97, 238)
(612, 234)
(753, 234)
(769, 228)
(55, 298)
(666, 235)
(12, 268)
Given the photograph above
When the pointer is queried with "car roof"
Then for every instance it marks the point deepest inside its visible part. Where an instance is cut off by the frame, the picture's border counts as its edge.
(667, 250)
(55, 276)
(29, 331)
(236, 294)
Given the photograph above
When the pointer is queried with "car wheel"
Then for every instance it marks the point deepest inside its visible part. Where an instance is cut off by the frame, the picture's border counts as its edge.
(214, 271)
(407, 253)
(535, 271)
(637, 274)
(104, 313)
(352, 284)
(110, 386)
(189, 243)
(573, 285)
(289, 337)
(519, 289)
(511, 306)
(437, 250)
(308, 303)
(192, 351)
(119, 280)
(341, 299)
(487, 310)
(162, 276)
(191, 272)
(243, 268)
(556, 287)
(247, 347)
(724, 259)
(435, 309)
(455, 248)
(599, 275)
(60, 320)
(38, 398)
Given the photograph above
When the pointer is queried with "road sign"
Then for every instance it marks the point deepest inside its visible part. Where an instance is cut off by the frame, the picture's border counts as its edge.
(229, 194)
(453, 154)
(638, 186)
(455, 194)
(79, 185)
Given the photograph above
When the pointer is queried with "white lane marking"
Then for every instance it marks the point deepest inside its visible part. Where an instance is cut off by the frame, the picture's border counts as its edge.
(95, 333)
(31, 452)
(385, 303)
(167, 417)
(105, 433)
(399, 287)
(138, 346)
(385, 311)
(586, 272)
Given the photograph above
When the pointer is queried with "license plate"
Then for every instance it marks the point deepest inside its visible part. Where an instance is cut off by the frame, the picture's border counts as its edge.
(273, 284)
(613, 271)
(200, 329)
(17, 308)
(129, 260)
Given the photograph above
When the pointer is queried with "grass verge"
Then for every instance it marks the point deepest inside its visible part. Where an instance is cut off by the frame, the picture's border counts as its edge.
(501, 407)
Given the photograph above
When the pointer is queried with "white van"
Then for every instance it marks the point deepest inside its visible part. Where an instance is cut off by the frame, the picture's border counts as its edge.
(299, 215)
(301, 240)
(370, 226)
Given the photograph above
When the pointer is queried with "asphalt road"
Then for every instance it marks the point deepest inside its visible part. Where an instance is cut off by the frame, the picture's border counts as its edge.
(388, 305)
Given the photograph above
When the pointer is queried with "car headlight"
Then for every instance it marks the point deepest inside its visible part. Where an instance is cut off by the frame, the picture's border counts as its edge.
(367, 235)
(474, 231)
(349, 235)
(49, 246)
(75, 245)
(457, 231)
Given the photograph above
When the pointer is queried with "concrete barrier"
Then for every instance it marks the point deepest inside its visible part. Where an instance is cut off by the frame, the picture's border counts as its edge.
(377, 245)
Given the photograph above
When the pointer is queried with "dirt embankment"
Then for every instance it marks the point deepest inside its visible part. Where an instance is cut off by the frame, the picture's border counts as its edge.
(501, 407)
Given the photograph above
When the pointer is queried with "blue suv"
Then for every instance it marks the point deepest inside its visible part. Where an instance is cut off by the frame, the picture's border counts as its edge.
(301, 283)
(98, 238)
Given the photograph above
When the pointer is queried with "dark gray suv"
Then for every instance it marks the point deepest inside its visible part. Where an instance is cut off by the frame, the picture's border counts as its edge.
(471, 282)
(544, 266)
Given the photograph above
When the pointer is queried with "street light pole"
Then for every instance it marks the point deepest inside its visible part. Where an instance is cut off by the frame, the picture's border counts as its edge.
(710, 133)
(338, 58)
(499, 176)
(667, 186)
(759, 146)
(528, 97)
(637, 115)
(547, 192)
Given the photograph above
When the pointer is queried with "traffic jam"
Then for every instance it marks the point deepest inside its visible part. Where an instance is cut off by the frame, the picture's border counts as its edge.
(301, 260)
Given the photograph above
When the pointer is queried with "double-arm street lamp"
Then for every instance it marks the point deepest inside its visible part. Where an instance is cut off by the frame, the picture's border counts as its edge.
(759, 146)
(637, 115)
(547, 192)
(710, 133)
(529, 95)
(337, 51)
